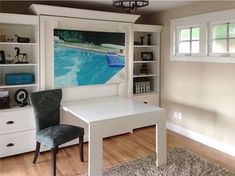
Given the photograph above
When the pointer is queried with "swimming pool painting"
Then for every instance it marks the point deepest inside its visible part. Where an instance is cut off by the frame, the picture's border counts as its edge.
(88, 58)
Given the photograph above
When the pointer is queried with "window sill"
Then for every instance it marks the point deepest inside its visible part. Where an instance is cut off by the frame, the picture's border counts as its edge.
(215, 59)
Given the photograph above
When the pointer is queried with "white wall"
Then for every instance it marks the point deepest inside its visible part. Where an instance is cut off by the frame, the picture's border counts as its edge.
(203, 92)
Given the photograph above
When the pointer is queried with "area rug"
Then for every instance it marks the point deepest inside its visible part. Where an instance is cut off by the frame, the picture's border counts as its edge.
(180, 162)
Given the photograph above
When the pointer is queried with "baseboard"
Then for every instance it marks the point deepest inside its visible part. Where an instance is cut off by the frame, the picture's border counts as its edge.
(201, 138)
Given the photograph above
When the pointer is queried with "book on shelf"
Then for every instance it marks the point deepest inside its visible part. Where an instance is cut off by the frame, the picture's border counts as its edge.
(142, 87)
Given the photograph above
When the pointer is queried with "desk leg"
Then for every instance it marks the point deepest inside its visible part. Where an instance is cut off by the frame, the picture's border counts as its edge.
(95, 152)
(161, 143)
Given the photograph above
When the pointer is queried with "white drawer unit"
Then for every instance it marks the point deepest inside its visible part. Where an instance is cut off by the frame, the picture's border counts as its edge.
(152, 99)
(16, 143)
(16, 120)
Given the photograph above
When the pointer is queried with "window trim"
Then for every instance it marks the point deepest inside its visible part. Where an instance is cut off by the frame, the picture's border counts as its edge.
(205, 21)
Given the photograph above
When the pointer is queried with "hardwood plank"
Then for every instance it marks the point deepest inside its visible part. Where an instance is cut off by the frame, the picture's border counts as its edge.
(117, 149)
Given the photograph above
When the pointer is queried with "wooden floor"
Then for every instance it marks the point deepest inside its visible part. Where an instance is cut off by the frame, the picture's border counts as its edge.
(116, 150)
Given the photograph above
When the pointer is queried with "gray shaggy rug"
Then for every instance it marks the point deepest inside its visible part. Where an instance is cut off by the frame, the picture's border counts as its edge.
(180, 162)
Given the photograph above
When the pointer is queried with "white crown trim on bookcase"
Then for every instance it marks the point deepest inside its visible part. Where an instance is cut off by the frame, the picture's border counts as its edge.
(81, 13)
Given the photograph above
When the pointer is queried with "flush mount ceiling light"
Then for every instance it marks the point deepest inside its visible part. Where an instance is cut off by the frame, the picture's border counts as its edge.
(130, 5)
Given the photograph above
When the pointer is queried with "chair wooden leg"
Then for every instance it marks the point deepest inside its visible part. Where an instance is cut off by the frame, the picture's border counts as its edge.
(81, 149)
(53, 162)
(57, 149)
(37, 151)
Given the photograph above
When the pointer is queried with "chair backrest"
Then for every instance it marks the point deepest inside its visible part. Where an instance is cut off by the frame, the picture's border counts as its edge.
(46, 105)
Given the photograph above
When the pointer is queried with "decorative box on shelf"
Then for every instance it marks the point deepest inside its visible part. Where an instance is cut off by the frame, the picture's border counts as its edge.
(19, 78)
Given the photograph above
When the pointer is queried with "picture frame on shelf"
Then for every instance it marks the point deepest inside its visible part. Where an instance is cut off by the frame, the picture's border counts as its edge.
(147, 56)
(2, 57)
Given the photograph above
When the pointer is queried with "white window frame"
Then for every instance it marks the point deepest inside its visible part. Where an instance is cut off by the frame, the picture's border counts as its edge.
(177, 35)
(205, 22)
(211, 39)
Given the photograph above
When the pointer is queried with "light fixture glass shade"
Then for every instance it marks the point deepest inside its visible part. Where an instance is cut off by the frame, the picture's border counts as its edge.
(130, 5)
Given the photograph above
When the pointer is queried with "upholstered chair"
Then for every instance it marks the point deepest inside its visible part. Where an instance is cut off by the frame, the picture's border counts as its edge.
(49, 131)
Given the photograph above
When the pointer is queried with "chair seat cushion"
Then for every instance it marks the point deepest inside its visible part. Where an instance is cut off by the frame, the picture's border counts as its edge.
(59, 134)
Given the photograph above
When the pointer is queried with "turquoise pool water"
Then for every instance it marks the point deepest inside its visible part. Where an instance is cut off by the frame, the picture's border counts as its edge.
(73, 67)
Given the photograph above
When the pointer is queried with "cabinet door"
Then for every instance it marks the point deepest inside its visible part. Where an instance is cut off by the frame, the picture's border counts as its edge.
(148, 99)
(15, 143)
(18, 120)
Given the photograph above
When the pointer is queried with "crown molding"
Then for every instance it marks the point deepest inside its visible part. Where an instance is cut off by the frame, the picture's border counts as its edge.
(81, 13)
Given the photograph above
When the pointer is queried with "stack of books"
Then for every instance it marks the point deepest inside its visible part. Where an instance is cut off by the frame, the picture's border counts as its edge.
(4, 100)
(142, 87)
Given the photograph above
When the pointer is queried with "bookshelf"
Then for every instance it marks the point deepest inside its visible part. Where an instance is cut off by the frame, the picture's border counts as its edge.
(24, 26)
(146, 64)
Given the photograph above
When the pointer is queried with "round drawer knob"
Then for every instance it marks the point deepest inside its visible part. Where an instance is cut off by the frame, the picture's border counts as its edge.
(10, 145)
(10, 122)
(145, 102)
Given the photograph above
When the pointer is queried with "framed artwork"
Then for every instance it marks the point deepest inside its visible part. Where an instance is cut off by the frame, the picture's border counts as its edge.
(2, 57)
(88, 58)
(147, 56)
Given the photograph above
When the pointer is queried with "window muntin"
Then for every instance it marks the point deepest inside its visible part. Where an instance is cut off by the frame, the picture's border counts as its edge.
(188, 41)
(223, 38)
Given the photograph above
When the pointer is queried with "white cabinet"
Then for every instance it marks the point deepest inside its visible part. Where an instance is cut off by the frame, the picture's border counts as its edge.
(152, 99)
(16, 143)
(18, 120)
(17, 131)
(17, 124)
(145, 78)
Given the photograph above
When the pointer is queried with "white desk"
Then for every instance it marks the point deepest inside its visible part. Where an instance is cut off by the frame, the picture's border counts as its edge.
(112, 115)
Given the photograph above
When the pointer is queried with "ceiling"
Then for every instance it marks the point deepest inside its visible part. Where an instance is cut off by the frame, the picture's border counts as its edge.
(103, 5)
(154, 5)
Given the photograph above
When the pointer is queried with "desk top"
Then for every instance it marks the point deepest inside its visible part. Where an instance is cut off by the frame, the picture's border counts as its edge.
(105, 108)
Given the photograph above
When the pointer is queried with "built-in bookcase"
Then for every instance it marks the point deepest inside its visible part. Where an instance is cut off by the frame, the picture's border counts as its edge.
(146, 63)
(23, 26)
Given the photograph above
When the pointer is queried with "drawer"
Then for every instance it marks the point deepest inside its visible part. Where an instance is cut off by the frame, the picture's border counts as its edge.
(148, 99)
(16, 120)
(15, 143)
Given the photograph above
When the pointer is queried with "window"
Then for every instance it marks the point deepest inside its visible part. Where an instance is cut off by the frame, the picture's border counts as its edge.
(206, 37)
(223, 39)
(188, 41)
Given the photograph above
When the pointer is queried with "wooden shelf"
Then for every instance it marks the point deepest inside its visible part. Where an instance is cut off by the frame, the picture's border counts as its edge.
(149, 75)
(152, 61)
(16, 108)
(16, 43)
(17, 65)
(148, 93)
(145, 46)
(18, 86)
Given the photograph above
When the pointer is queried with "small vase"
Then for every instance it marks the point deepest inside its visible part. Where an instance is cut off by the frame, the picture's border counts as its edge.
(149, 39)
(142, 40)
